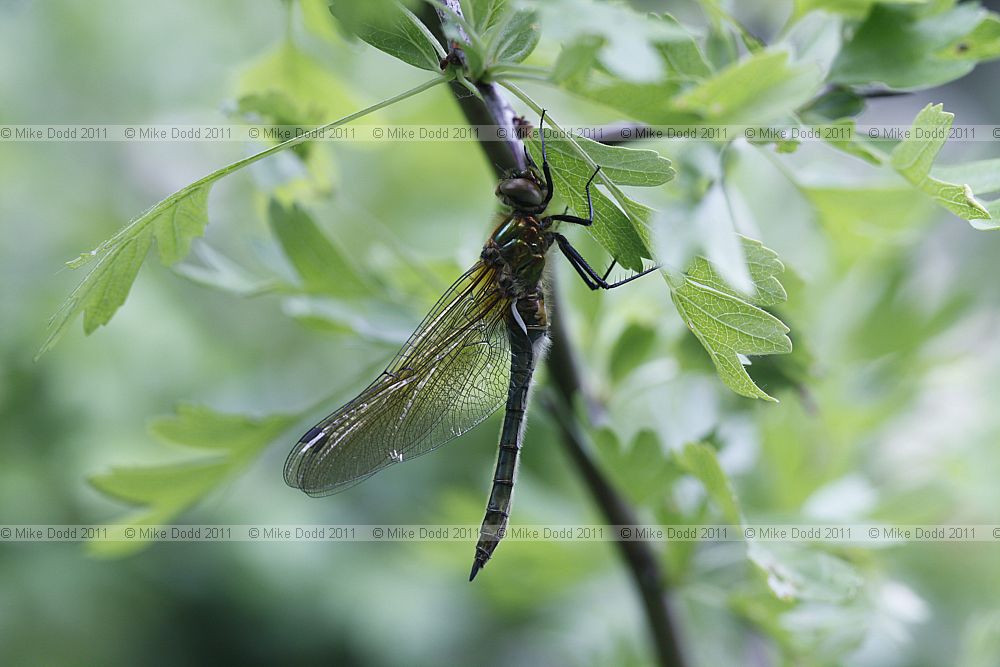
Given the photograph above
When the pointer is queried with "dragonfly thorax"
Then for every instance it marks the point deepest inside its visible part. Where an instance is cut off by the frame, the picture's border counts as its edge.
(517, 249)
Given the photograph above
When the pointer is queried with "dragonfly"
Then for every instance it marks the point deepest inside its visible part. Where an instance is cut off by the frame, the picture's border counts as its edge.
(476, 350)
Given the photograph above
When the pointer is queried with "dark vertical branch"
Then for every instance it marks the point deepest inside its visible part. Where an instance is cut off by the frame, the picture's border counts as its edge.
(494, 109)
(642, 562)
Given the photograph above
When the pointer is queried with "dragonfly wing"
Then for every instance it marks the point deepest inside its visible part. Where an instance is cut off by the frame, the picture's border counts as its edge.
(452, 374)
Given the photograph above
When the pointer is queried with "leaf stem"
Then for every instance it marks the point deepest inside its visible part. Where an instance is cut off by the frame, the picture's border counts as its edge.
(128, 229)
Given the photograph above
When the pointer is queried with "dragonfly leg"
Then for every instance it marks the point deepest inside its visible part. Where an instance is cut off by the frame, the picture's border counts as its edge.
(610, 266)
(593, 279)
(589, 220)
(549, 187)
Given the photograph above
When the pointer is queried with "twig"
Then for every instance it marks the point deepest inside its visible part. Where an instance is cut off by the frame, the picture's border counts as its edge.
(494, 109)
(624, 132)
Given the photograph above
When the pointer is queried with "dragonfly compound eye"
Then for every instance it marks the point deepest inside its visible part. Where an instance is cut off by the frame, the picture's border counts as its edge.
(521, 192)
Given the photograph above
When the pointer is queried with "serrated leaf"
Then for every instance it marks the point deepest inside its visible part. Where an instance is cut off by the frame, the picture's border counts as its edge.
(700, 461)
(323, 267)
(764, 266)
(514, 38)
(392, 28)
(730, 324)
(163, 491)
(901, 47)
(914, 157)
(759, 88)
(174, 223)
(622, 231)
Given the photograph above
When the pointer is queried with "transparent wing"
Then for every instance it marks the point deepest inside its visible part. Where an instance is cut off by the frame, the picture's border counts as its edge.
(452, 374)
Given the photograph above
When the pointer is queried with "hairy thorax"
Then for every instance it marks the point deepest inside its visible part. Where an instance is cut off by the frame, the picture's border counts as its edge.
(517, 250)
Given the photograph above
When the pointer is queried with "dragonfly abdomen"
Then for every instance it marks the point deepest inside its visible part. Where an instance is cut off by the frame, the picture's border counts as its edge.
(528, 334)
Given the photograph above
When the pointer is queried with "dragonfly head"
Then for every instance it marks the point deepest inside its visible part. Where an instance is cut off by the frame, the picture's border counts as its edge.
(523, 190)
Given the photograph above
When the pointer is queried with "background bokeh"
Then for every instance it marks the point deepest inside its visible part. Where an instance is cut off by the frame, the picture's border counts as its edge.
(896, 303)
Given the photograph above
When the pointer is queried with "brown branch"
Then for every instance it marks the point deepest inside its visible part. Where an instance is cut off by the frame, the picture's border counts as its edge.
(494, 109)
(642, 562)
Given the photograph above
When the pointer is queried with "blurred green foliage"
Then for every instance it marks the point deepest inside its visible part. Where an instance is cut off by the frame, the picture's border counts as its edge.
(319, 260)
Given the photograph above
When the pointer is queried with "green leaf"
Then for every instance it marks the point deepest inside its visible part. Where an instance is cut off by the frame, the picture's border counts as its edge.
(630, 350)
(220, 272)
(836, 108)
(575, 58)
(729, 324)
(173, 223)
(288, 87)
(639, 468)
(514, 39)
(622, 231)
(914, 157)
(858, 146)
(291, 87)
(628, 39)
(835, 104)
(317, 19)
(857, 9)
(390, 27)
(857, 219)
(623, 165)
(162, 492)
(682, 56)
(235, 435)
(323, 267)
(759, 88)
(901, 47)
(483, 14)
(982, 176)
(983, 43)
(371, 319)
(801, 572)
(648, 102)
(699, 461)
